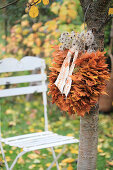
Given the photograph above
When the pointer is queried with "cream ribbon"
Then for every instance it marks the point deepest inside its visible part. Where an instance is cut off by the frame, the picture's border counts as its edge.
(64, 80)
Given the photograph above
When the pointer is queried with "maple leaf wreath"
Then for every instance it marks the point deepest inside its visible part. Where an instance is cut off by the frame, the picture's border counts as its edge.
(78, 76)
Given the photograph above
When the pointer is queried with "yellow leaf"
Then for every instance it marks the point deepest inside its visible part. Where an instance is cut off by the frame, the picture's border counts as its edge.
(100, 150)
(8, 158)
(32, 130)
(13, 147)
(55, 7)
(73, 150)
(68, 160)
(72, 13)
(69, 134)
(48, 164)
(21, 160)
(25, 23)
(110, 12)
(108, 155)
(110, 163)
(70, 167)
(11, 152)
(58, 150)
(45, 2)
(38, 42)
(102, 154)
(36, 50)
(32, 166)
(9, 111)
(25, 32)
(36, 26)
(33, 156)
(51, 25)
(26, 10)
(33, 12)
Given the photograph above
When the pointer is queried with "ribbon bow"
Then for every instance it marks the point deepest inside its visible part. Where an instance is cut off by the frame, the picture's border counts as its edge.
(74, 43)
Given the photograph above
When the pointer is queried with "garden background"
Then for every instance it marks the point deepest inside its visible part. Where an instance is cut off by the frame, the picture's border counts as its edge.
(22, 36)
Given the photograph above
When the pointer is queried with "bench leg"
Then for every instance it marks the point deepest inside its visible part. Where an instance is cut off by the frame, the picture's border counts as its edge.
(56, 158)
(3, 155)
(18, 156)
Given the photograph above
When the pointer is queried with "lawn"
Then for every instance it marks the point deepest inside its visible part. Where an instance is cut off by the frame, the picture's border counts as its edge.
(19, 116)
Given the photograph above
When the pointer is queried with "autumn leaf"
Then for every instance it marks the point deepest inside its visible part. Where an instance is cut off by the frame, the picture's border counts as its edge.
(33, 12)
(32, 166)
(69, 167)
(45, 2)
(68, 160)
(8, 158)
(21, 161)
(33, 156)
(110, 163)
(48, 164)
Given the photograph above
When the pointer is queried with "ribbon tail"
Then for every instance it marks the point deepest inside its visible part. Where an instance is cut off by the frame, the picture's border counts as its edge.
(61, 79)
(69, 79)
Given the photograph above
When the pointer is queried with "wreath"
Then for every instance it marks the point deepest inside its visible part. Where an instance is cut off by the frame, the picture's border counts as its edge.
(77, 76)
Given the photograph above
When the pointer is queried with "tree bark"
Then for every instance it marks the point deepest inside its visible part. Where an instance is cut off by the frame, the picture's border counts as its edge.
(88, 140)
(96, 16)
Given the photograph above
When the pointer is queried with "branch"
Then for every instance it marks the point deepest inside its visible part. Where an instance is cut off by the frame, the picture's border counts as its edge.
(11, 3)
(34, 3)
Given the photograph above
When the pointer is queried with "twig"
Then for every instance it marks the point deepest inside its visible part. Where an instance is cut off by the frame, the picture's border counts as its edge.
(34, 3)
(11, 3)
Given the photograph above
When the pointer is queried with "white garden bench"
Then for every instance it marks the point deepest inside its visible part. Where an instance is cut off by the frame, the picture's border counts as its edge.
(34, 141)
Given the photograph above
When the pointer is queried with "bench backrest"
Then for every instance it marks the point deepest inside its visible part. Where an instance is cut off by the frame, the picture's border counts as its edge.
(27, 63)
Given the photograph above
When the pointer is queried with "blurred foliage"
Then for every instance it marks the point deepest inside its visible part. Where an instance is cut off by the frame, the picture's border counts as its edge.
(37, 36)
(29, 36)
(13, 12)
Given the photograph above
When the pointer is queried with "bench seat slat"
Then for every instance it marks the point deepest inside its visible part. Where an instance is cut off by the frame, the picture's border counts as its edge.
(22, 90)
(22, 79)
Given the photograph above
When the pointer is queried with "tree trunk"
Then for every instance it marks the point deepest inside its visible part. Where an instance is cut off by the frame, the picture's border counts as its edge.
(96, 16)
(88, 140)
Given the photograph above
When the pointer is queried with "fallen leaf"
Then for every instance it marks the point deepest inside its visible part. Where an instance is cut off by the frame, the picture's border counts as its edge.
(33, 156)
(36, 161)
(8, 158)
(37, 152)
(58, 150)
(32, 166)
(21, 160)
(48, 164)
(70, 167)
(73, 150)
(110, 163)
(68, 160)
(69, 134)
(11, 152)
(12, 123)
(102, 154)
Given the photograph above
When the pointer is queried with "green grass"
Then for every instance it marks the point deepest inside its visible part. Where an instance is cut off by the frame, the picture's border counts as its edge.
(19, 116)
